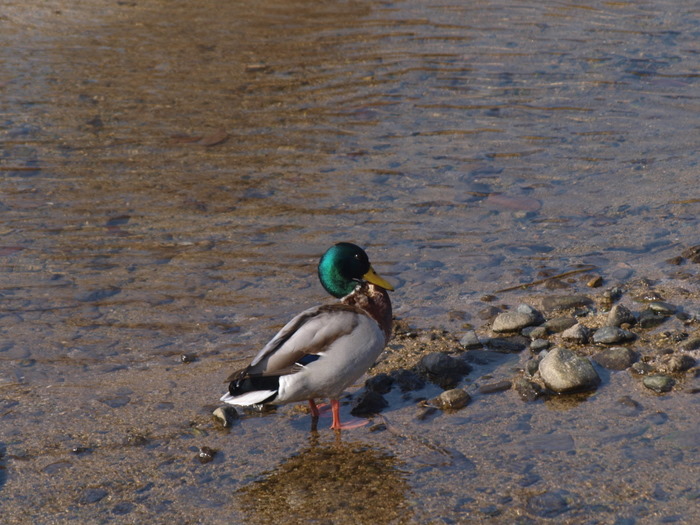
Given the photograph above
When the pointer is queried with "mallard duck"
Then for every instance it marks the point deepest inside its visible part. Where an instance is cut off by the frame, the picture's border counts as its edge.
(323, 350)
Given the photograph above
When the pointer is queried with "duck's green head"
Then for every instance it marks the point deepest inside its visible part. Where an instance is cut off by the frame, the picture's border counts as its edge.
(343, 266)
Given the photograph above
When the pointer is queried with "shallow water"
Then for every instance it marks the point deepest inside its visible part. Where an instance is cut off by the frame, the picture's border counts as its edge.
(172, 171)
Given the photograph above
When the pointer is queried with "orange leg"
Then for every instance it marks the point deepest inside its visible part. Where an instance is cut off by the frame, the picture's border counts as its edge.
(335, 409)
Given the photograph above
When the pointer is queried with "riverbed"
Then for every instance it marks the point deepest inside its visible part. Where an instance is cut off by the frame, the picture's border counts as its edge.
(171, 172)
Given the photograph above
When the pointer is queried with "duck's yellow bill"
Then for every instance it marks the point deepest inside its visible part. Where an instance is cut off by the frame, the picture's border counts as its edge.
(372, 277)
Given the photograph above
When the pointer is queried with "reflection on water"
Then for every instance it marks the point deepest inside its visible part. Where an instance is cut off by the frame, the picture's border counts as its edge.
(339, 482)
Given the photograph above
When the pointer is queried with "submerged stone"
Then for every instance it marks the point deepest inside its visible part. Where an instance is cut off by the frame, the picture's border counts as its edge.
(565, 302)
(659, 383)
(453, 399)
(616, 358)
(368, 403)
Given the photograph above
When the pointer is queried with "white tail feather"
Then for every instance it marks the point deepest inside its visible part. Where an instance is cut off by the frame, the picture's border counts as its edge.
(249, 398)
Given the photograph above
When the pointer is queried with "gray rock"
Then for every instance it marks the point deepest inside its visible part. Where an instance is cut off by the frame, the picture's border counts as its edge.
(616, 358)
(559, 324)
(564, 371)
(612, 335)
(368, 403)
(537, 332)
(453, 399)
(513, 321)
(662, 308)
(533, 365)
(565, 302)
(649, 319)
(658, 383)
(527, 390)
(508, 345)
(499, 386)
(691, 344)
(577, 334)
(381, 383)
(470, 340)
(439, 363)
(529, 310)
(619, 315)
(226, 415)
(538, 345)
(407, 380)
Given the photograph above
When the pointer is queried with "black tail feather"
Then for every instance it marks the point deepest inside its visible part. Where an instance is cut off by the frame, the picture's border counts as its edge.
(251, 384)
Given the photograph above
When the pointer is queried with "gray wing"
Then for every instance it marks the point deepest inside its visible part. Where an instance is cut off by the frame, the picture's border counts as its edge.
(308, 333)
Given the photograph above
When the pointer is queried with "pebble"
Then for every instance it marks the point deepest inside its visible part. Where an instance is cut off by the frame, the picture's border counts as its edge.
(564, 371)
(641, 368)
(226, 415)
(529, 310)
(619, 315)
(577, 334)
(533, 365)
(691, 344)
(508, 345)
(565, 302)
(658, 383)
(453, 399)
(611, 335)
(649, 319)
(527, 390)
(444, 370)
(381, 383)
(513, 321)
(470, 340)
(206, 455)
(559, 324)
(616, 358)
(537, 332)
(676, 363)
(368, 403)
(492, 388)
(538, 345)
(663, 308)
(595, 282)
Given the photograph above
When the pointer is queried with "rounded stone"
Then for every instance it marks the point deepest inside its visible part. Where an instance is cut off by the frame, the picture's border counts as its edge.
(616, 358)
(368, 403)
(559, 324)
(453, 399)
(612, 335)
(470, 340)
(381, 383)
(659, 383)
(619, 315)
(513, 321)
(564, 371)
(577, 334)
